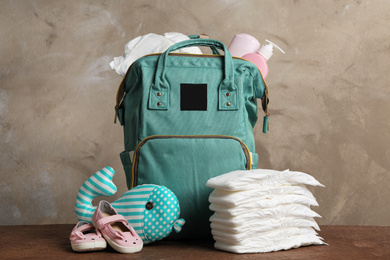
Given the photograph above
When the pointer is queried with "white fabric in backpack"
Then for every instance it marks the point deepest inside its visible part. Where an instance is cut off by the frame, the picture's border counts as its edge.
(147, 44)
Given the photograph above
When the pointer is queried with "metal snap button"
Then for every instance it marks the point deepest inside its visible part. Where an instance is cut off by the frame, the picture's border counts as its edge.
(158, 104)
(159, 94)
(228, 104)
(228, 94)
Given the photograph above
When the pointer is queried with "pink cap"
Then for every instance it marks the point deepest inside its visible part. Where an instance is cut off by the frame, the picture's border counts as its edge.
(242, 44)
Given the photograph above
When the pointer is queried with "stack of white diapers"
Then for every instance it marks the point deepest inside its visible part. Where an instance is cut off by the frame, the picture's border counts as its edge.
(263, 211)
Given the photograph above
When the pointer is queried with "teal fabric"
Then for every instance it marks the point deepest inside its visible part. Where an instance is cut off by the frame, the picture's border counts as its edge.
(151, 106)
(127, 166)
(184, 164)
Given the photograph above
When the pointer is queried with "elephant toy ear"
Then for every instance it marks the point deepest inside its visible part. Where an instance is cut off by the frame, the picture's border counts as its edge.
(179, 225)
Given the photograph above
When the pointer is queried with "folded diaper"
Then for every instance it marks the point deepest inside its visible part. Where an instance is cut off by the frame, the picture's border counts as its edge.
(251, 217)
(253, 179)
(147, 44)
(293, 210)
(264, 225)
(263, 211)
(267, 201)
(246, 197)
(279, 233)
(270, 246)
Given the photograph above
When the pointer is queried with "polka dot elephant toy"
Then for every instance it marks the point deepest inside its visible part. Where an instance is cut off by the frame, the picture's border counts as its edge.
(152, 210)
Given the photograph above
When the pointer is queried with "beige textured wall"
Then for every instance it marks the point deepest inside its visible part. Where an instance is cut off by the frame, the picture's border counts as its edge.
(329, 96)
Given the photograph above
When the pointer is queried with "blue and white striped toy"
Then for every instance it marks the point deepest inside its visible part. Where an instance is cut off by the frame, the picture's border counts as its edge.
(152, 210)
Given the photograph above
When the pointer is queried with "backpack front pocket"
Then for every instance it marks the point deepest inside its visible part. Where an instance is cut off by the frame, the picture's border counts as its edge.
(184, 164)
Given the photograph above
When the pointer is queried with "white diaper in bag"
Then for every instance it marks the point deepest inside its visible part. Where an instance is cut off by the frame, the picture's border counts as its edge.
(147, 44)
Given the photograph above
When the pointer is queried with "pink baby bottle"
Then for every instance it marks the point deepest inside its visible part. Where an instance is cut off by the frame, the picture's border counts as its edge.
(261, 58)
(242, 44)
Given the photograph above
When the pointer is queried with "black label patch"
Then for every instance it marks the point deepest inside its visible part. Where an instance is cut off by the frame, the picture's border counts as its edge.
(193, 97)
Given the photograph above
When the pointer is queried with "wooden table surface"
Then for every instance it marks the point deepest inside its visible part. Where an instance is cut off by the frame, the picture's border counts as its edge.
(52, 242)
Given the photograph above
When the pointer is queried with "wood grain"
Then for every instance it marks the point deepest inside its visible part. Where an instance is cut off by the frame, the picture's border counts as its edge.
(52, 242)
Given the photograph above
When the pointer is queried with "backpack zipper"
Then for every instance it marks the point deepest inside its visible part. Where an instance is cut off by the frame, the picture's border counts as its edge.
(134, 170)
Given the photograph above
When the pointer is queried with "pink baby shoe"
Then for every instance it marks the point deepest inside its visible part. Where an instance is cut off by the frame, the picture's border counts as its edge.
(115, 229)
(85, 237)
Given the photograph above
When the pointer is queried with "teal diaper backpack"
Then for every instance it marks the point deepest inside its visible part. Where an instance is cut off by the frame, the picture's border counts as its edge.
(188, 118)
